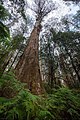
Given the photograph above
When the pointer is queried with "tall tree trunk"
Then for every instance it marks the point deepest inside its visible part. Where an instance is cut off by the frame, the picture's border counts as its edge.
(27, 69)
(73, 65)
(14, 59)
(64, 71)
(5, 63)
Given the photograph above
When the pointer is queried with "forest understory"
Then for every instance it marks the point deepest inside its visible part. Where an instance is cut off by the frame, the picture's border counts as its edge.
(17, 103)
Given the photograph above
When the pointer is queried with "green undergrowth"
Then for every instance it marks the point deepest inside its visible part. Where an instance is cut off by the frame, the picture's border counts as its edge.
(61, 104)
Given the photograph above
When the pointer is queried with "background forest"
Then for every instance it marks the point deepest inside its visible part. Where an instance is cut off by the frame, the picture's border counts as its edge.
(39, 60)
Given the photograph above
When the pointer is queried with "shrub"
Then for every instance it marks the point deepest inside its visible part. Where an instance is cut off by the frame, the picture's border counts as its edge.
(64, 104)
(24, 106)
(9, 85)
(16, 103)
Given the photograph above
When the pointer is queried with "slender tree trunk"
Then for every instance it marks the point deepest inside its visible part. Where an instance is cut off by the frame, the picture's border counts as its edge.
(27, 69)
(14, 59)
(73, 65)
(6, 62)
(52, 77)
(64, 71)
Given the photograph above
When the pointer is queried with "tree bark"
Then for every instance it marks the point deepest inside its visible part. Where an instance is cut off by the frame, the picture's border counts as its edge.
(64, 71)
(27, 70)
(5, 63)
